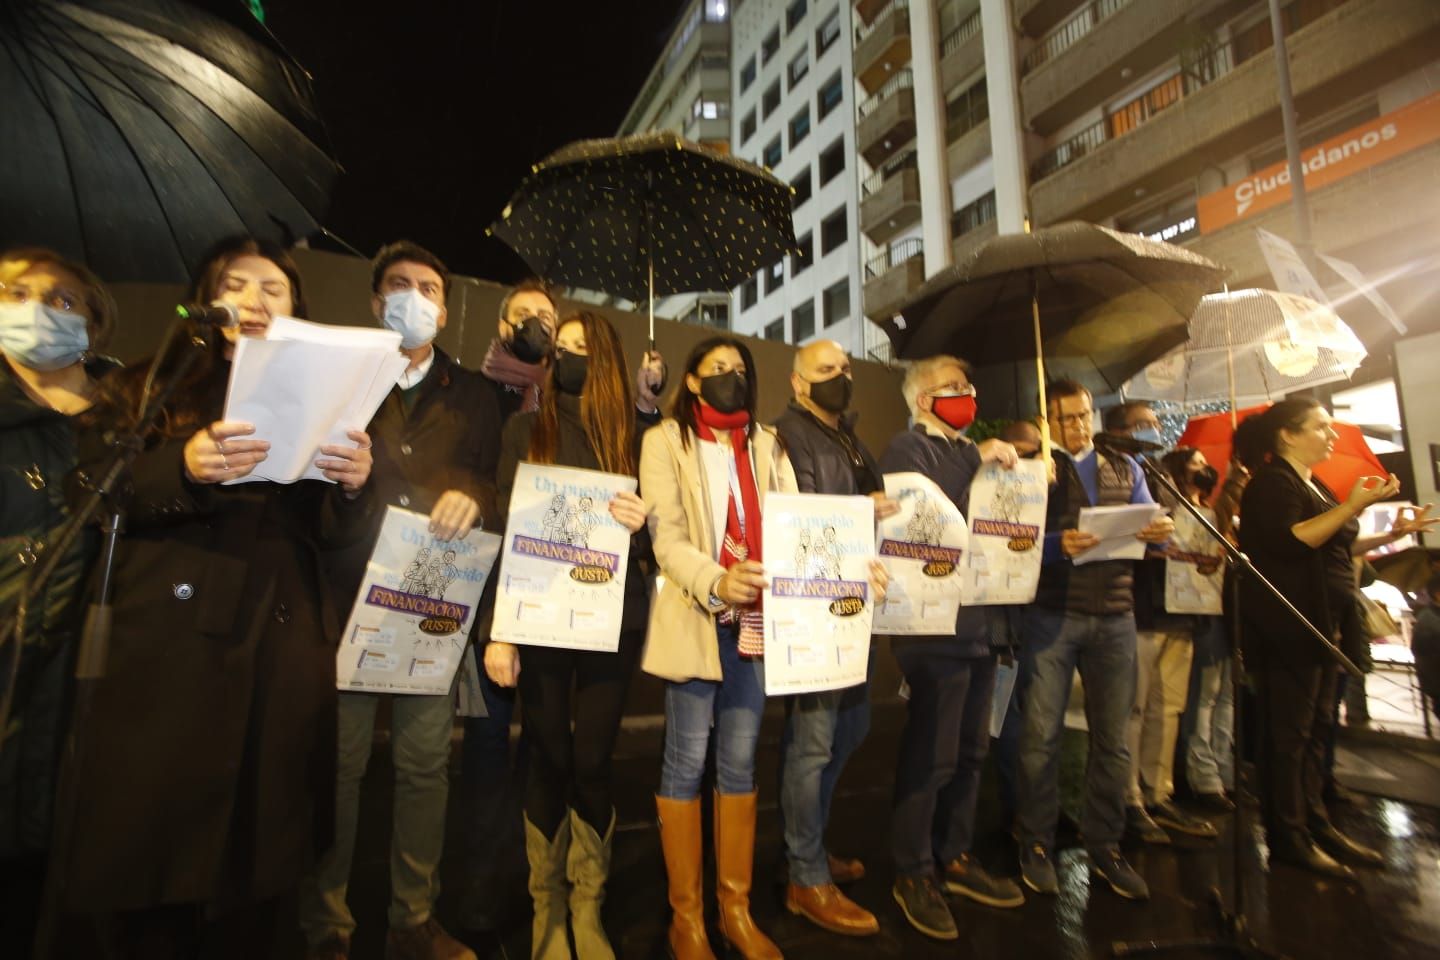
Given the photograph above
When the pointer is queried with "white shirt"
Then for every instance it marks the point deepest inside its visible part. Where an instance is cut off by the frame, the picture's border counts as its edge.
(410, 377)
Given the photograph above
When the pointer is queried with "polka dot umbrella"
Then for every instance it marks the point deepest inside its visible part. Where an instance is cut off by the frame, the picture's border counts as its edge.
(647, 215)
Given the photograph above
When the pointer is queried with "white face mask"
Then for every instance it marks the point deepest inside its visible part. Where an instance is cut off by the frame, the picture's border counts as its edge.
(409, 314)
(41, 337)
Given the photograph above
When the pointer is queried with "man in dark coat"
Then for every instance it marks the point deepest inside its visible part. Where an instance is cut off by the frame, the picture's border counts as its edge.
(436, 441)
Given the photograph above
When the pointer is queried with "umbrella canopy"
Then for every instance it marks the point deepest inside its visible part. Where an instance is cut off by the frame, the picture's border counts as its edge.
(1108, 303)
(647, 215)
(136, 134)
(1252, 346)
(1213, 435)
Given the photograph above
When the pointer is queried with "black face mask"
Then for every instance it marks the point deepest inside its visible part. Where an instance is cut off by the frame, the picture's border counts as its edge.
(1205, 479)
(724, 391)
(833, 395)
(571, 369)
(531, 341)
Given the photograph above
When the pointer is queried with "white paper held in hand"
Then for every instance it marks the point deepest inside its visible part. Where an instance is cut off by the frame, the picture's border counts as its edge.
(1116, 527)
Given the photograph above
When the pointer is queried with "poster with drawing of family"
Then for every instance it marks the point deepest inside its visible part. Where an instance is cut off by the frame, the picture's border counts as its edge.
(1194, 574)
(562, 571)
(922, 548)
(1007, 534)
(411, 619)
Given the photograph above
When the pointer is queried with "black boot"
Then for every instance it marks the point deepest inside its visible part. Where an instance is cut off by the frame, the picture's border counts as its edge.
(1341, 847)
(1295, 848)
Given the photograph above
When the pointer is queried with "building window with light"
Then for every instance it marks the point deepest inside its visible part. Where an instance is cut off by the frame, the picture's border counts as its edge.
(829, 96)
(772, 155)
(827, 33)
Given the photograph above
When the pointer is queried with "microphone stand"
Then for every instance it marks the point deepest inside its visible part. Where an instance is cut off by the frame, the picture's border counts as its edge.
(90, 660)
(1232, 929)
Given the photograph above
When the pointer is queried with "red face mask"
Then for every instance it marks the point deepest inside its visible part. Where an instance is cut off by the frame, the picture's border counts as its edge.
(957, 413)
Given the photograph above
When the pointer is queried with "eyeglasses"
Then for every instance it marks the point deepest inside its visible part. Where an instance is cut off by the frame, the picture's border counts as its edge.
(1073, 419)
(544, 316)
(21, 295)
(952, 390)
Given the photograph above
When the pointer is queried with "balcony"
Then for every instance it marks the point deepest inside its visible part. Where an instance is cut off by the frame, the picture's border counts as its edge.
(892, 276)
(890, 199)
(887, 120)
(968, 149)
(883, 45)
(867, 10)
(1036, 17)
(962, 52)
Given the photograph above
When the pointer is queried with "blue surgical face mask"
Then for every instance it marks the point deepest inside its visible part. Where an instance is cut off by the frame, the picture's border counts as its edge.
(41, 337)
(1148, 435)
(409, 314)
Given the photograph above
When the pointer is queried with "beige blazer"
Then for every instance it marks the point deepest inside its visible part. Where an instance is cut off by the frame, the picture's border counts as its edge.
(681, 643)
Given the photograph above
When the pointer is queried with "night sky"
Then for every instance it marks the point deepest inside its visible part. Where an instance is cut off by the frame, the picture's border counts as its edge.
(437, 110)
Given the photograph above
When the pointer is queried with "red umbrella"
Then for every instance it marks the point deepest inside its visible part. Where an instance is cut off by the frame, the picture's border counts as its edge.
(1351, 460)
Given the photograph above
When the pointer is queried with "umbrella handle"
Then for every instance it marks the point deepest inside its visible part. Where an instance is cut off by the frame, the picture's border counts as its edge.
(1040, 376)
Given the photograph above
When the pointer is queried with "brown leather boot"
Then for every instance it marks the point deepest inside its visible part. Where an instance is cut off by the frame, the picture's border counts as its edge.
(682, 843)
(734, 863)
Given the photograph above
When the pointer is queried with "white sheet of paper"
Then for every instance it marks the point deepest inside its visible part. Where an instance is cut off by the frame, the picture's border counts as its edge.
(921, 547)
(1116, 527)
(304, 386)
(411, 620)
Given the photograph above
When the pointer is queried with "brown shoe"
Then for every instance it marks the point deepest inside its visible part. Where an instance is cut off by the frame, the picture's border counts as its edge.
(333, 948)
(425, 941)
(825, 906)
(845, 869)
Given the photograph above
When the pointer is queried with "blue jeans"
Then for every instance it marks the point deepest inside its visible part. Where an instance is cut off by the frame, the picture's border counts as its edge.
(822, 730)
(1103, 648)
(732, 707)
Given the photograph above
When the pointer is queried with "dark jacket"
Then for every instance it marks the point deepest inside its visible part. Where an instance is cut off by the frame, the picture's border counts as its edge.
(207, 772)
(1098, 588)
(446, 438)
(826, 460)
(952, 465)
(1425, 644)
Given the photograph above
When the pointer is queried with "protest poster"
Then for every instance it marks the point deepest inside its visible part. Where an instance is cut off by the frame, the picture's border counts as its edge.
(562, 571)
(1193, 571)
(922, 548)
(412, 617)
(1007, 534)
(818, 608)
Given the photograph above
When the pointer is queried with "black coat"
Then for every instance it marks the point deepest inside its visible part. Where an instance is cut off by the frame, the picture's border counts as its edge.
(207, 769)
(825, 460)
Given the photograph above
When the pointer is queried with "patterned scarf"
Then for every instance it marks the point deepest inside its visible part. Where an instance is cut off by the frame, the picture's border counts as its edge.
(742, 538)
(502, 366)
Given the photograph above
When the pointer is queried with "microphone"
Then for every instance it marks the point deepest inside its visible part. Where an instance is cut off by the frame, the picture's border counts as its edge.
(1115, 444)
(218, 315)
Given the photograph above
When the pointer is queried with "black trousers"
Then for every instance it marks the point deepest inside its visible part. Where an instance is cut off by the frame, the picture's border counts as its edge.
(1297, 712)
(572, 768)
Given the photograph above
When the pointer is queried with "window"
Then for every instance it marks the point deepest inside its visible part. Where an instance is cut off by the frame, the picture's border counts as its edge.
(749, 293)
(832, 232)
(802, 189)
(798, 68)
(802, 321)
(804, 254)
(829, 96)
(775, 276)
(827, 33)
(770, 101)
(800, 126)
(837, 303)
(968, 110)
(832, 161)
(775, 330)
(747, 126)
(770, 46)
(747, 74)
(772, 155)
(794, 14)
(715, 314)
(710, 109)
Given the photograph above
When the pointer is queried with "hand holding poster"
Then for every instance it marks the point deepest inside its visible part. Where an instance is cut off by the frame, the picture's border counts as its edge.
(818, 606)
(1193, 574)
(412, 616)
(1007, 532)
(921, 547)
(562, 573)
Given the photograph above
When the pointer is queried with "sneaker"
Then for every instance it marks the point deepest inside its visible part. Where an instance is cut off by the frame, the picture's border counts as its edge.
(1037, 870)
(924, 907)
(965, 876)
(1172, 817)
(332, 948)
(1139, 826)
(1116, 870)
(425, 941)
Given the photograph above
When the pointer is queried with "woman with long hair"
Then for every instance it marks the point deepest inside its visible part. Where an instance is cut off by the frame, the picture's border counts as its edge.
(212, 736)
(585, 419)
(1301, 536)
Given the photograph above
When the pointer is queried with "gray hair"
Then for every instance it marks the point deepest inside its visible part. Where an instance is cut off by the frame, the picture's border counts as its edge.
(921, 371)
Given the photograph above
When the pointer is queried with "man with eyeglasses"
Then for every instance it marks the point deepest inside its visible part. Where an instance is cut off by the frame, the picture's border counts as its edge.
(436, 441)
(951, 678)
(1082, 618)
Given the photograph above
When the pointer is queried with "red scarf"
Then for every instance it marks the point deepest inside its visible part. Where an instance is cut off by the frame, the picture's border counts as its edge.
(741, 542)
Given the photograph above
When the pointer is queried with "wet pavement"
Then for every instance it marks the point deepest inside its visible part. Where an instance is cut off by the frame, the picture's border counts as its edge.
(1391, 913)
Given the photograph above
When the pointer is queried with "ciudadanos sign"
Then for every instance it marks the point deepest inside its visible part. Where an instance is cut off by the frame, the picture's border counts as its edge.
(1412, 126)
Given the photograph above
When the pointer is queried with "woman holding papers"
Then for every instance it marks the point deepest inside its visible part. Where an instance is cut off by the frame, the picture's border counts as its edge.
(206, 773)
(704, 474)
(586, 419)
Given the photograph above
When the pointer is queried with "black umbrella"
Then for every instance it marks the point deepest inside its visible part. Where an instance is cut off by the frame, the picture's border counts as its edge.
(646, 216)
(135, 134)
